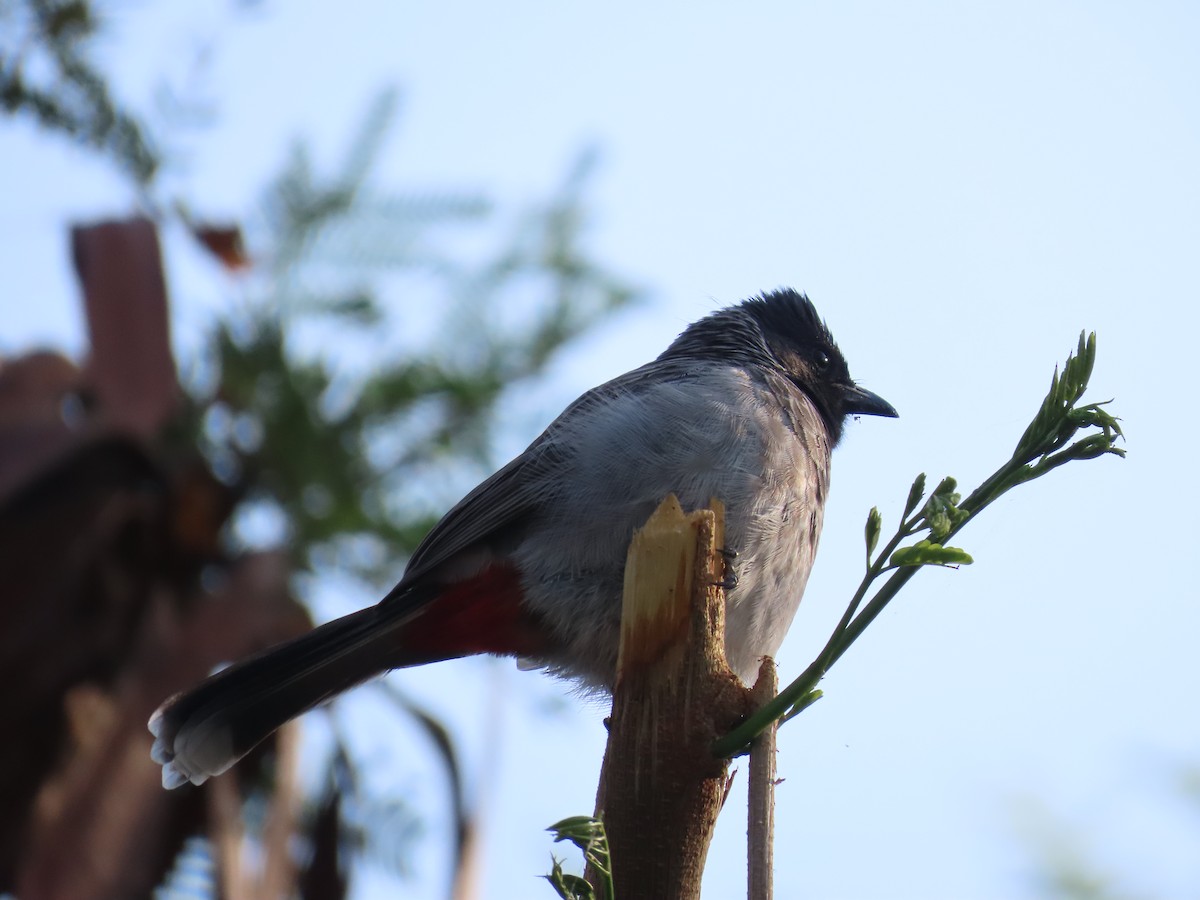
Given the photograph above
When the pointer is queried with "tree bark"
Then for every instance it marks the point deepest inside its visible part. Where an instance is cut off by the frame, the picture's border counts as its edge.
(661, 788)
(760, 826)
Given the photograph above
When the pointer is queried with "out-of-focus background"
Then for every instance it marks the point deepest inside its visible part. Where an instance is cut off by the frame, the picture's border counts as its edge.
(501, 206)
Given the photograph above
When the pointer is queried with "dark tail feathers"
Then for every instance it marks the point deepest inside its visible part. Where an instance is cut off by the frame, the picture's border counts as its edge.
(204, 731)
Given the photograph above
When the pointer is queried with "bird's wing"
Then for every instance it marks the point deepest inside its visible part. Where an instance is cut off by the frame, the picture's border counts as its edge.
(497, 503)
(503, 501)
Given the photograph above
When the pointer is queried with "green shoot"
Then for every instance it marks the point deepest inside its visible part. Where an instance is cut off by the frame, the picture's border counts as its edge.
(588, 835)
(1051, 440)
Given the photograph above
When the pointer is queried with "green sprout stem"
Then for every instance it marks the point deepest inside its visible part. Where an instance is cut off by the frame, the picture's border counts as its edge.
(1043, 447)
(588, 835)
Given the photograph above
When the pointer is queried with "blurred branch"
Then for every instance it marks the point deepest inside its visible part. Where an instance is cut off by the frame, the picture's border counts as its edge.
(440, 737)
(300, 434)
(46, 72)
(123, 499)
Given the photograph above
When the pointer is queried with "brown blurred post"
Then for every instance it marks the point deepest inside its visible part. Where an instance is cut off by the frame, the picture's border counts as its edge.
(104, 530)
(131, 368)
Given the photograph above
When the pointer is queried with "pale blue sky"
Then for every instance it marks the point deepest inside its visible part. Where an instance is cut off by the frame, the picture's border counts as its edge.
(960, 188)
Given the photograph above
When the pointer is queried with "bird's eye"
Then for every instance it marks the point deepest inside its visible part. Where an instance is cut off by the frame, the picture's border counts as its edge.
(821, 360)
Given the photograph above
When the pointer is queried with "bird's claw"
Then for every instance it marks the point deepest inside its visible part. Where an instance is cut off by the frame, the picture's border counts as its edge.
(730, 580)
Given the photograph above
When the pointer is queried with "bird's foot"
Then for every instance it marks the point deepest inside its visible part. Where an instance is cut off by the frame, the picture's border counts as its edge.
(730, 581)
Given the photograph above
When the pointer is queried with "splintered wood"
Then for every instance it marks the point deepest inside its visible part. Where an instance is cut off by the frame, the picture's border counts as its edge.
(661, 788)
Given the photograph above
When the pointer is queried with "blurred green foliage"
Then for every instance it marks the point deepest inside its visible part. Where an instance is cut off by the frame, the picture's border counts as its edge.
(315, 415)
(353, 387)
(47, 72)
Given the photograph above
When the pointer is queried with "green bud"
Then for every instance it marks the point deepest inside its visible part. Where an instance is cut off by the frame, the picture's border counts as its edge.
(568, 886)
(915, 493)
(928, 553)
(803, 703)
(946, 488)
(939, 524)
(576, 829)
(874, 524)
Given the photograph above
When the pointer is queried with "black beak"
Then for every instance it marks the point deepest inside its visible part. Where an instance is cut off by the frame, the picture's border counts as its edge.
(859, 401)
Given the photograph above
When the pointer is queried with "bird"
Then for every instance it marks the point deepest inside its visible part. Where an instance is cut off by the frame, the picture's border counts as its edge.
(746, 405)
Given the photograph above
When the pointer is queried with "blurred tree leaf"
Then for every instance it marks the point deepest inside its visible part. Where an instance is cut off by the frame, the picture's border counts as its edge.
(330, 452)
(348, 398)
(46, 72)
